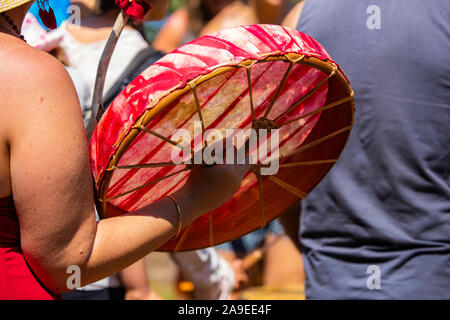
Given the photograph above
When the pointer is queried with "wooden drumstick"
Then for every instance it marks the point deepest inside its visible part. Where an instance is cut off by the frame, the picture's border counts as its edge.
(97, 109)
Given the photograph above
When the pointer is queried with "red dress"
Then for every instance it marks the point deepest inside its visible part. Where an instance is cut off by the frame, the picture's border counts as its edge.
(17, 281)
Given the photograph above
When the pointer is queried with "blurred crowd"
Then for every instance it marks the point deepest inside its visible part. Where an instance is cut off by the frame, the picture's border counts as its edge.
(266, 258)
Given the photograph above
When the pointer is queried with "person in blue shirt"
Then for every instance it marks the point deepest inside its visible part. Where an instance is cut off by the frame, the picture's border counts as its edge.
(378, 225)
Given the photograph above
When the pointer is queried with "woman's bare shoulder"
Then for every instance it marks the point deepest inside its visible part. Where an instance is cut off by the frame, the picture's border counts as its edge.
(37, 94)
(292, 18)
(32, 78)
(23, 65)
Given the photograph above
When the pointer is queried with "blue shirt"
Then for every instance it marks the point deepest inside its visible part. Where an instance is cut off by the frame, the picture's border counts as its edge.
(378, 225)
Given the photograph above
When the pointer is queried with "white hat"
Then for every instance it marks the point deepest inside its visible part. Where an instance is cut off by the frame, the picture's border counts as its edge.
(6, 5)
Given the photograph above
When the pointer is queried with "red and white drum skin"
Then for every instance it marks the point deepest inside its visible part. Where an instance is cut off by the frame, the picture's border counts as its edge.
(225, 104)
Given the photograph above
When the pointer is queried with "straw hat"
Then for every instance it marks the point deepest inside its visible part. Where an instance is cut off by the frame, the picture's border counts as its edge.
(6, 5)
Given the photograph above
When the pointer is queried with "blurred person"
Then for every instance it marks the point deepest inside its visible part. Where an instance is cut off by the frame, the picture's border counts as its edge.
(84, 44)
(270, 11)
(212, 276)
(268, 257)
(47, 215)
(174, 32)
(200, 17)
(377, 226)
(236, 14)
(132, 283)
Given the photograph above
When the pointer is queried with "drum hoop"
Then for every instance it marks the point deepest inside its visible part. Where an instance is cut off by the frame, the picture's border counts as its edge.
(124, 141)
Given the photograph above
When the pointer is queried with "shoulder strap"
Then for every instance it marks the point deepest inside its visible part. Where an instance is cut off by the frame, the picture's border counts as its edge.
(141, 61)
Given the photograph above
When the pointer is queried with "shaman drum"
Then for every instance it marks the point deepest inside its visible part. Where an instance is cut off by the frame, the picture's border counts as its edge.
(285, 292)
(259, 76)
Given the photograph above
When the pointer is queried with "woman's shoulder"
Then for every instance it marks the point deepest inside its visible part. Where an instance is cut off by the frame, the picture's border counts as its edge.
(26, 68)
(33, 83)
(23, 65)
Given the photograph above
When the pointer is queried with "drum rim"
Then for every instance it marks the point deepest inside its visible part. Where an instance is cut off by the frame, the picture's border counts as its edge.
(326, 66)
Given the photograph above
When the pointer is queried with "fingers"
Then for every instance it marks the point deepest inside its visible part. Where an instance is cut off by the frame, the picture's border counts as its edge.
(245, 151)
(240, 158)
(225, 152)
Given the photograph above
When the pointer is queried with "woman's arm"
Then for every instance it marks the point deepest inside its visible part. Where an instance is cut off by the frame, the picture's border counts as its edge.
(52, 184)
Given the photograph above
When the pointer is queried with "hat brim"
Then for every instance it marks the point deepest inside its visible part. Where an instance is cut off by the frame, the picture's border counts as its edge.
(6, 5)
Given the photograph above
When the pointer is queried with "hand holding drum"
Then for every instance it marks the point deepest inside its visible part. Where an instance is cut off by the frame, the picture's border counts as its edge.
(214, 184)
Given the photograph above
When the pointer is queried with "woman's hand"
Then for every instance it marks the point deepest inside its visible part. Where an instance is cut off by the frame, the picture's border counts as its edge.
(208, 187)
